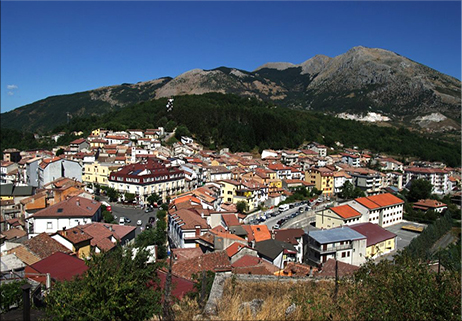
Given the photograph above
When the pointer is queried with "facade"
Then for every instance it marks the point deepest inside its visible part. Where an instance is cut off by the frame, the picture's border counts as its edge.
(66, 214)
(343, 244)
(147, 177)
(383, 209)
(438, 177)
(185, 227)
(379, 240)
(98, 173)
(322, 178)
(339, 216)
(51, 169)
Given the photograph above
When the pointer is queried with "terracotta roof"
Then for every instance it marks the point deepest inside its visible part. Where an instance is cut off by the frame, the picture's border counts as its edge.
(24, 254)
(215, 261)
(296, 269)
(185, 254)
(78, 141)
(429, 203)
(61, 266)
(374, 233)
(190, 219)
(247, 260)
(230, 220)
(345, 211)
(328, 269)
(75, 235)
(380, 200)
(73, 207)
(14, 233)
(234, 248)
(260, 232)
(43, 245)
(289, 235)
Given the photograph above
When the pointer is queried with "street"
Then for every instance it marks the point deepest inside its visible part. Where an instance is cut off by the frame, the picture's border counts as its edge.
(134, 214)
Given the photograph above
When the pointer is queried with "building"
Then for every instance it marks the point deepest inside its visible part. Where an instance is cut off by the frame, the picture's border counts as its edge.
(340, 215)
(428, 204)
(185, 226)
(322, 178)
(383, 209)
(438, 177)
(98, 173)
(66, 214)
(343, 244)
(147, 177)
(50, 169)
(379, 240)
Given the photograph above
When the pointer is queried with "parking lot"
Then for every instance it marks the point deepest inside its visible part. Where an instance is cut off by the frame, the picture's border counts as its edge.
(404, 237)
(134, 214)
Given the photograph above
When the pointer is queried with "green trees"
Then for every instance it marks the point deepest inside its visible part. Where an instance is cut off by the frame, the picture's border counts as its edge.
(11, 294)
(420, 189)
(404, 290)
(112, 194)
(115, 287)
(242, 206)
(153, 198)
(155, 236)
(349, 191)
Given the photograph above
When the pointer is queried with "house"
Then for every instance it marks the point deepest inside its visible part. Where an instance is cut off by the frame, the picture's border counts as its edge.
(66, 214)
(106, 236)
(253, 265)
(42, 246)
(215, 261)
(340, 178)
(294, 236)
(428, 204)
(276, 252)
(50, 169)
(217, 173)
(379, 240)
(216, 240)
(76, 240)
(60, 266)
(334, 267)
(11, 155)
(350, 159)
(185, 226)
(9, 172)
(367, 179)
(237, 250)
(98, 172)
(79, 145)
(318, 148)
(340, 215)
(343, 244)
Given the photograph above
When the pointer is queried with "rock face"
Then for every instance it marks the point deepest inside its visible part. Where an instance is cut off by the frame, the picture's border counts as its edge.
(359, 81)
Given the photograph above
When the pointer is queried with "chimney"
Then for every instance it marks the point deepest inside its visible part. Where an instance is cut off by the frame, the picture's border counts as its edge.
(78, 202)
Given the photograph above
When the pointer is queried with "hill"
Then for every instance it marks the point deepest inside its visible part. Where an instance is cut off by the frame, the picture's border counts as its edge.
(359, 81)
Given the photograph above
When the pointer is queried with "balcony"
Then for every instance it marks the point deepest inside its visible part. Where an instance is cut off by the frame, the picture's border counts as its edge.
(331, 249)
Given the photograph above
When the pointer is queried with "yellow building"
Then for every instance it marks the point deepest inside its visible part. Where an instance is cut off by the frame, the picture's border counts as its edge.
(379, 240)
(98, 173)
(322, 178)
(228, 190)
(338, 216)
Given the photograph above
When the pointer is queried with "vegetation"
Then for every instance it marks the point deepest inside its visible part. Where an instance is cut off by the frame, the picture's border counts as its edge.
(405, 289)
(243, 124)
(242, 206)
(420, 189)
(349, 191)
(115, 287)
(155, 236)
(11, 294)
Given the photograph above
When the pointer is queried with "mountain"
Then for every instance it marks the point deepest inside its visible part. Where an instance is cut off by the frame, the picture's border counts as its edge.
(359, 81)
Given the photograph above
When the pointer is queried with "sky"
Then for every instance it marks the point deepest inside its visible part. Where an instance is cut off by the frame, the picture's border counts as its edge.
(63, 47)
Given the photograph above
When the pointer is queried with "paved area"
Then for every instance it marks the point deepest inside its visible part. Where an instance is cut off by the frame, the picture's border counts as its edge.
(134, 214)
(404, 237)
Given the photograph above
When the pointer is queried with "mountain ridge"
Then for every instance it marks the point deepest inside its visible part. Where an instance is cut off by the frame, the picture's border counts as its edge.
(359, 81)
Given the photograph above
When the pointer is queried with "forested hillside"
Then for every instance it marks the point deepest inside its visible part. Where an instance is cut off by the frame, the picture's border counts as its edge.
(242, 124)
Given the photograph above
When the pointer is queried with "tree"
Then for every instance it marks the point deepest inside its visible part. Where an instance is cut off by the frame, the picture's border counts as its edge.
(112, 194)
(170, 126)
(241, 206)
(11, 294)
(59, 152)
(108, 217)
(153, 198)
(420, 189)
(129, 197)
(181, 130)
(116, 286)
(349, 191)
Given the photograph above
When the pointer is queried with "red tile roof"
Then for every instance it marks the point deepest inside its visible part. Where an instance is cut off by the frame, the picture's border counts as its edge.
(289, 235)
(43, 245)
(190, 219)
(328, 269)
(215, 261)
(429, 203)
(61, 266)
(73, 207)
(247, 260)
(260, 232)
(75, 235)
(374, 233)
(345, 211)
(234, 248)
(230, 220)
(185, 254)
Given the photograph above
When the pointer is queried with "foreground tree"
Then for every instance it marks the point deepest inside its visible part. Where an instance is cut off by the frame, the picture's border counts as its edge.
(420, 189)
(115, 287)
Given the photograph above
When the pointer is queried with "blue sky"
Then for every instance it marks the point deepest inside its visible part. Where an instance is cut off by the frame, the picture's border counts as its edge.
(61, 47)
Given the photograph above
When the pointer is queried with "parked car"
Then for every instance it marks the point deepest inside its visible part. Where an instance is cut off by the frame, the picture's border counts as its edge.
(122, 221)
(151, 219)
(276, 227)
(148, 226)
(149, 209)
(139, 223)
(127, 220)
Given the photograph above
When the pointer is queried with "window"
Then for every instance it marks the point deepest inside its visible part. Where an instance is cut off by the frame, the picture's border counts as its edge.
(343, 254)
(49, 225)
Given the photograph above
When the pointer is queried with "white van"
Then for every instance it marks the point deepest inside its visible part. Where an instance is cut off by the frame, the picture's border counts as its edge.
(283, 207)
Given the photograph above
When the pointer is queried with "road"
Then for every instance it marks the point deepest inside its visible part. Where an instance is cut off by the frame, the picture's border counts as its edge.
(134, 214)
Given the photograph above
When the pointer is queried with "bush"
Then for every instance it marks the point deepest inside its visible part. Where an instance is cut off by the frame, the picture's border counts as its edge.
(11, 294)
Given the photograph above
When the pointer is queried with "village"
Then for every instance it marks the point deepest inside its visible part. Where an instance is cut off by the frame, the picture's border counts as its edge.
(286, 213)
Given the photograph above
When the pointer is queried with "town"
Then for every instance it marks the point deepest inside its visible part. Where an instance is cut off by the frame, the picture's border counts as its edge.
(283, 213)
